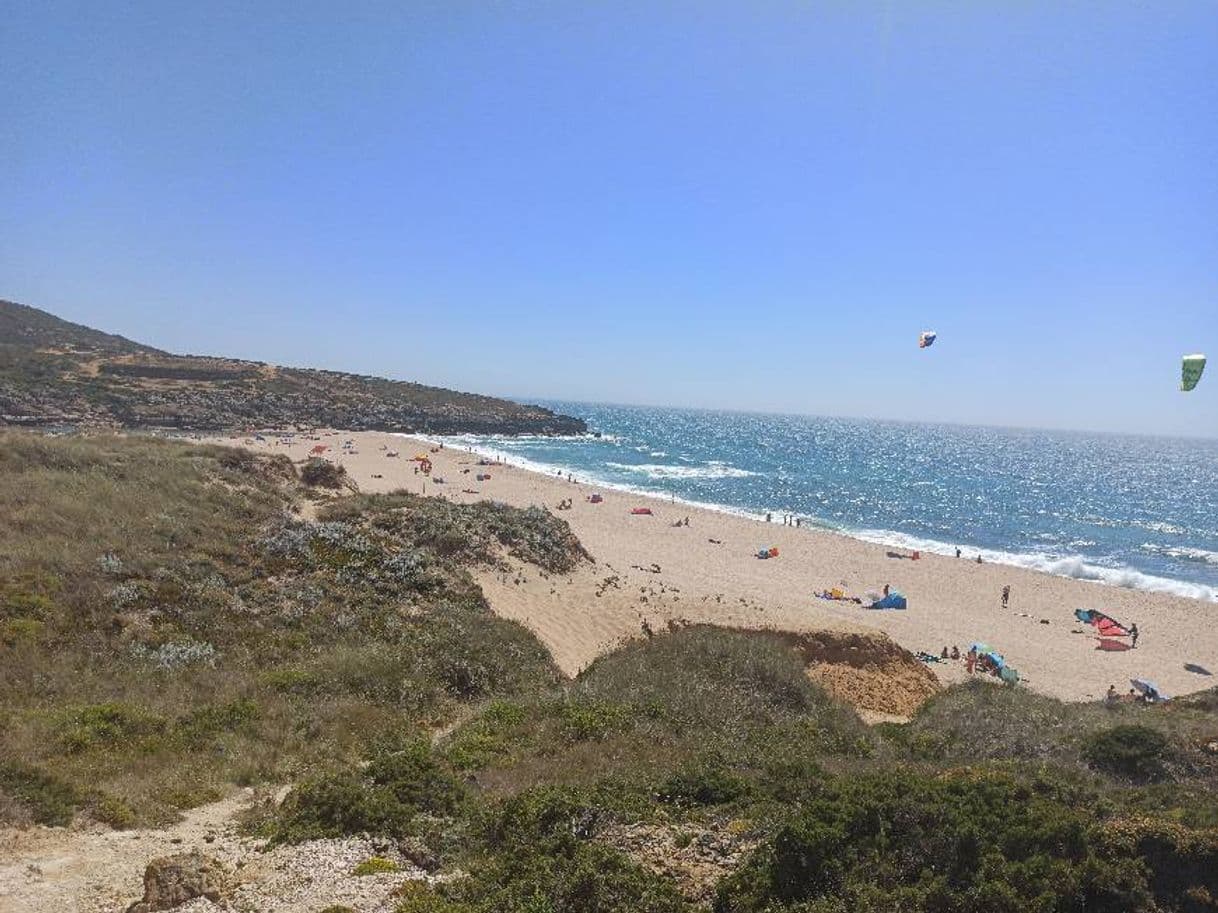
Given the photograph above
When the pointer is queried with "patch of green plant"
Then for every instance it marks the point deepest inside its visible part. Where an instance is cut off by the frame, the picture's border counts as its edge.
(900, 840)
(205, 723)
(14, 631)
(291, 679)
(47, 799)
(401, 778)
(1134, 752)
(706, 780)
(113, 811)
(376, 865)
(107, 725)
(592, 720)
(541, 855)
(492, 737)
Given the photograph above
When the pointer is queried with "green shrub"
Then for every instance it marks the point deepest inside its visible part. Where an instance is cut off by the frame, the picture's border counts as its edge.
(493, 736)
(402, 778)
(46, 799)
(415, 776)
(336, 805)
(113, 811)
(14, 631)
(592, 720)
(205, 723)
(323, 474)
(1134, 752)
(950, 844)
(376, 865)
(541, 856)
(105, 725)
(291, 680)
(704, 781)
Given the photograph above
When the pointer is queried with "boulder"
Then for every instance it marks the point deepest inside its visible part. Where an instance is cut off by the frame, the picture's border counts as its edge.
(170, 881)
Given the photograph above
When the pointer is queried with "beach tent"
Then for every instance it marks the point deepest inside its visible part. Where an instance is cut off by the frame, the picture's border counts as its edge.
(894, 600)
(994, 656)
(1106, 625)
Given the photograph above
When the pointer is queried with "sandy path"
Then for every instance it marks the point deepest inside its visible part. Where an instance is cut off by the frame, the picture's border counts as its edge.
(952, 601)
(88, 868)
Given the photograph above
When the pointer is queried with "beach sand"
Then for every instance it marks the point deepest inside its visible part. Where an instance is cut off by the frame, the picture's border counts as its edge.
(951, 601)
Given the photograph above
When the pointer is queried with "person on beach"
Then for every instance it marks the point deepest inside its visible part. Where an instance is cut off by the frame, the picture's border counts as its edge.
(1006, 596)
(1111, 697)
(1133, 632)
(944, 654)
(798, 522)
(955, 652)
(769, 517)
(970, 661)
(978, 559)
(957, 551)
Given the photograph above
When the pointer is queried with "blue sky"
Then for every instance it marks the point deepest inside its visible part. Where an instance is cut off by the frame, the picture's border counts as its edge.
(753, 206)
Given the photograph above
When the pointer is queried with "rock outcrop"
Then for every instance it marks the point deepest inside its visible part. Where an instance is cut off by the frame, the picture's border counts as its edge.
(170, 881)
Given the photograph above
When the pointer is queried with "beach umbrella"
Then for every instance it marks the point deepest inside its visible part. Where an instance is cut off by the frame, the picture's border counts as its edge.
(1149, 688)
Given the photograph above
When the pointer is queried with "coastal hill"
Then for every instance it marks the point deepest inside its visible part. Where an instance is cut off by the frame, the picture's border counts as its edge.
(57, 373)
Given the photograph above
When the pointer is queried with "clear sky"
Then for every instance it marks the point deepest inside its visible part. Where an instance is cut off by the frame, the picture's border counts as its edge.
(746, 205)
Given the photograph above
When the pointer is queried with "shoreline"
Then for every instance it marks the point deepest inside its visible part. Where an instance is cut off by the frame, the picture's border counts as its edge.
(710, 573)
(1040, 563)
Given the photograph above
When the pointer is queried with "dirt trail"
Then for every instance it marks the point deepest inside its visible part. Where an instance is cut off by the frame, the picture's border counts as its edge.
(88, 867)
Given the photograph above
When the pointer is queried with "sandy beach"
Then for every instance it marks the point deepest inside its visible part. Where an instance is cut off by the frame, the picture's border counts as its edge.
(648, 569)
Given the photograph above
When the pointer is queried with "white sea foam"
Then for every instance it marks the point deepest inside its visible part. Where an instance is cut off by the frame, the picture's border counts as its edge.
(1062, 566)
(665, 471)
(1073, 566)
(1181, 552)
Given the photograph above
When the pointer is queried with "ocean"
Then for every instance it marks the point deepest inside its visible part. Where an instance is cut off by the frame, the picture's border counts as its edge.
(1132, 511)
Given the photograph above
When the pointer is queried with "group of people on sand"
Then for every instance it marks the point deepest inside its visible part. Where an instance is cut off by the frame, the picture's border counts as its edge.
(1132, 697)
(564, 504)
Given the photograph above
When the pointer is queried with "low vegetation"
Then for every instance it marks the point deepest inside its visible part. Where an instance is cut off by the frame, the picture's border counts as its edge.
(170, 627)
(205, 635)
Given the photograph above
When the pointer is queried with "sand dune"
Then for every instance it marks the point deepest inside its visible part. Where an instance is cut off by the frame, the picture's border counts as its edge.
(951, 601)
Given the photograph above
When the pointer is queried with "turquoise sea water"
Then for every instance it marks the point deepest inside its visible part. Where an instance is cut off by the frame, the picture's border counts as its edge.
(1133, 511)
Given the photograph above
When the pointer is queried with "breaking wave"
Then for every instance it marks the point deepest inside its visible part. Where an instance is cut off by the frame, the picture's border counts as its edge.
(1072, 566)
(1182, 553)
(665, 471)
